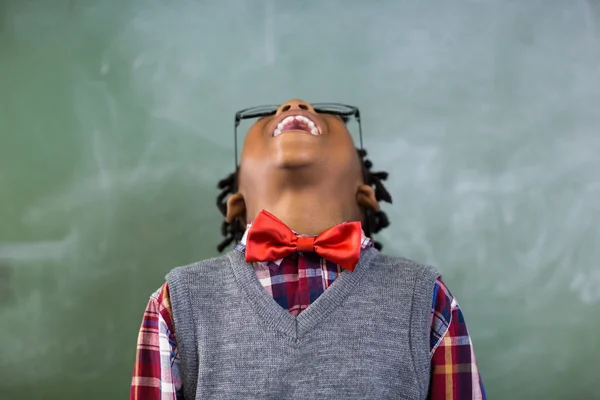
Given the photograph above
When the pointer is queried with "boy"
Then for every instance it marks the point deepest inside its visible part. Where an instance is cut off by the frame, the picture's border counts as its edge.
(304, 306)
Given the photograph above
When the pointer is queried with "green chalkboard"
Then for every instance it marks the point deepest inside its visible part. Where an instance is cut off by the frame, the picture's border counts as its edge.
(116, 124)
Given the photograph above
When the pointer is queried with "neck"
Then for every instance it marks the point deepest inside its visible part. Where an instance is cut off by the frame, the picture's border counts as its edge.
(308, 210)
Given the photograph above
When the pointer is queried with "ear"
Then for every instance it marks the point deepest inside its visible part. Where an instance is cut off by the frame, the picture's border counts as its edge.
(236, 207)
(365, 196)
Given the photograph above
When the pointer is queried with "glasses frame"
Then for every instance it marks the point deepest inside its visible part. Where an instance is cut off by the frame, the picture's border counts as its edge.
(321, 108)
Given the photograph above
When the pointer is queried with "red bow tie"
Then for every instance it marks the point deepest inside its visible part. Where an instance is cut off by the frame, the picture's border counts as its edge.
(269, 239)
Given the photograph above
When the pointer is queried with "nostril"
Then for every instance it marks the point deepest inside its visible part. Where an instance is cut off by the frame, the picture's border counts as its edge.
(303, 106)
(286, 107)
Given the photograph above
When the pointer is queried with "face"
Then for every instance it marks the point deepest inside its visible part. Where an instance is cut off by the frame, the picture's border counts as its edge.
(297, 137)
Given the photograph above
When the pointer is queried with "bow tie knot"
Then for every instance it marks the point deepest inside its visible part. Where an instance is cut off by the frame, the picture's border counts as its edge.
(305, 244)
(269, 239)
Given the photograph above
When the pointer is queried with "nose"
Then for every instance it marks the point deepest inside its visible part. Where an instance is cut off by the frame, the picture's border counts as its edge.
(295, 104)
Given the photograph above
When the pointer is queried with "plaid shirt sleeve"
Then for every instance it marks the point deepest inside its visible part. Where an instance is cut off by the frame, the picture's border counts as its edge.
(453, 366)
(156, 370)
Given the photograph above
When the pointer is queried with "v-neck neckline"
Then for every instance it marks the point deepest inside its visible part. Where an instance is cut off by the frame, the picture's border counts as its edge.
(279, 318)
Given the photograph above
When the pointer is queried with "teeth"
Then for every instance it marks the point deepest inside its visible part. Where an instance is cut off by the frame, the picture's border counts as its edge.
(312, 126)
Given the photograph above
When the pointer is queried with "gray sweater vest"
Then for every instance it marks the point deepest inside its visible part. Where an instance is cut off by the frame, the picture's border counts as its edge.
(366, 337)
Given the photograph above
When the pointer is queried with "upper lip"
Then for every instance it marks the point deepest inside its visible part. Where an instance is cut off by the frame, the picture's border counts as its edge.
(294, 113)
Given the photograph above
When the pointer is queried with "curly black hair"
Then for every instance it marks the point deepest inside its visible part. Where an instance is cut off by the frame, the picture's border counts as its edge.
(373, 222)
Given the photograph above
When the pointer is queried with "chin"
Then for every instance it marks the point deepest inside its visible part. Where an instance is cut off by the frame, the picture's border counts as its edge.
(295, 162)
(297, 156)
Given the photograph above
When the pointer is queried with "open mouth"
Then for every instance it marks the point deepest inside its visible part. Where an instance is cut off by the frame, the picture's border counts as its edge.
(297, 123)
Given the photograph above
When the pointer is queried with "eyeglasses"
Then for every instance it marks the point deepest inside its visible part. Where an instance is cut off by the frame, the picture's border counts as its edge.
(338, 109)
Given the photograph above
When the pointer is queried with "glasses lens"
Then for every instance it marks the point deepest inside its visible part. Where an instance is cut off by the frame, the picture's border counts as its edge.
(334, 108)
(257, 112)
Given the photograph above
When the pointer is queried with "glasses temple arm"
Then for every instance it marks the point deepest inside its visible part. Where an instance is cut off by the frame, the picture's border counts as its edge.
(357, 116)
(235, 125)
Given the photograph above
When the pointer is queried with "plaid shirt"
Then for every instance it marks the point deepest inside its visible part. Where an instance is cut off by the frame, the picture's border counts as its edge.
(295, 282)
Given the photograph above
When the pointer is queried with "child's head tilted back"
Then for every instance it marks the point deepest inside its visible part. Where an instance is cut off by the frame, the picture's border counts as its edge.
(302, 164)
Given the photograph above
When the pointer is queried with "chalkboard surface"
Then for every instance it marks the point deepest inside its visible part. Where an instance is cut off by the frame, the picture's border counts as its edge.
(116, 124)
